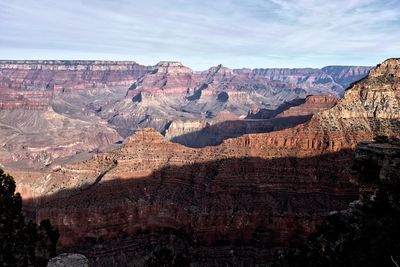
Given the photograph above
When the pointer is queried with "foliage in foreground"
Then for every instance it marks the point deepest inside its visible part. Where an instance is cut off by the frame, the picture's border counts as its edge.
(22, 243)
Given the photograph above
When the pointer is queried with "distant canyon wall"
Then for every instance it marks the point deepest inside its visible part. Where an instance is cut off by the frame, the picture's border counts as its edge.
(74, 100)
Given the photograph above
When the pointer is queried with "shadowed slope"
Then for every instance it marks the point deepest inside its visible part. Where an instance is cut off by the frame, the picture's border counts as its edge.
(249, 205)
(288, 115)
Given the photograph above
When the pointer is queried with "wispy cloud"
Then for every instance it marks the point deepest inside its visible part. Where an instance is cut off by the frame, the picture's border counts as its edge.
(251, 33)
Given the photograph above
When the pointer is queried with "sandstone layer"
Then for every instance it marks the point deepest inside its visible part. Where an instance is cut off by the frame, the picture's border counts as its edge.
(231, 204)
(67, 76)
(213, 131)
(47, 108)
(172, 91)
(35, 138)
(93, 98)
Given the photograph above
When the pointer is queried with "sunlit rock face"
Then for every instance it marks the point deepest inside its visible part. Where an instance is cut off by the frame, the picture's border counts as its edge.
(48, 108)
(67, 76)
(225, 125)
(230, 204)
(102, 102)
(171, 91)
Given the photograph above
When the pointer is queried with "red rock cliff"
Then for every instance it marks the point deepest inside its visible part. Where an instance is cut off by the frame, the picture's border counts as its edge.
(233, 203)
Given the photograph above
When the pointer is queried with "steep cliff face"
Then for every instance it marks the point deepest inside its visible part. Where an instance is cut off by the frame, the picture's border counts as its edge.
(167, 78)
(337, 78)
(346, 75)
(230, 204)
(127, 97)
(171, 91)
(368, 108)
(213, 131)
(67, 76)
(48, 108)
(221, 199)
(27, 100)
(312, 104)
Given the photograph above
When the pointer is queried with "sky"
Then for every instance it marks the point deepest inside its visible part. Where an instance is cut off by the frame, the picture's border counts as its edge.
(201, 34)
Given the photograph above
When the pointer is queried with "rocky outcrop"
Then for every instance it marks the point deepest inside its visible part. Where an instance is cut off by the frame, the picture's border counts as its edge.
(166, 78)
(379, 159)
(190, 129)
(312, 105)
(296, 107)
(230, 204)
(213, 131)
(69, 260)
(369, 108)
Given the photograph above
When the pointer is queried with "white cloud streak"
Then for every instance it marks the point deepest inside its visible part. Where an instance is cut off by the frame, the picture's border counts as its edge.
(251, 33)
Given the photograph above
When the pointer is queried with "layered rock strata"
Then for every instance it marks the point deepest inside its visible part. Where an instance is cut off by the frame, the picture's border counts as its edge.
(127, 97)
(48, 108)
(214, 131)
(35, 138)
(171, 91)
(229, 204)
(67, 76)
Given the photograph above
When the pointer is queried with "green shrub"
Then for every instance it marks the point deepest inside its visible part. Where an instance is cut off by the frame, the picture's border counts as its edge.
(22, 243)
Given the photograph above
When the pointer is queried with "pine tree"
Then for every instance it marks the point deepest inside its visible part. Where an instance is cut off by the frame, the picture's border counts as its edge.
(22, 243)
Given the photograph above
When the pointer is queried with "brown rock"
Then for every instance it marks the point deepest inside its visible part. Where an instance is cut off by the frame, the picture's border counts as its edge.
(233, 203)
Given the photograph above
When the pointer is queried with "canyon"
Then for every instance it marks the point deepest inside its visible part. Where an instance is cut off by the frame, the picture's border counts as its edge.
(52, 111)
(232, 203)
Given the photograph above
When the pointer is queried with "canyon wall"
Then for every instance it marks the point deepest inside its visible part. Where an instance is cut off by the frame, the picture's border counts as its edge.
(68, 75)
(46, 111)
(231, 204)
(338, 77)
(114, 99)
(172, 91)
(213, 131)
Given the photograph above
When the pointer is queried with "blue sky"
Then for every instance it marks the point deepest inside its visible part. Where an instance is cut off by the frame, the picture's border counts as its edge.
(200, 34)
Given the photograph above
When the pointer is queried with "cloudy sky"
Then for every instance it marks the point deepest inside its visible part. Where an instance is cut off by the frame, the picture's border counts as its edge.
(200, 34)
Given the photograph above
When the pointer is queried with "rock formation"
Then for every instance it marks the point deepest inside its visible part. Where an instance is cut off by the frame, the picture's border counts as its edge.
(231, 204)
(104, 96)
(346, 75)
(34, 138)
(338, 78)
(47, 108)
(213, 131)
(171, 91)
(69, 260)
(68, 76)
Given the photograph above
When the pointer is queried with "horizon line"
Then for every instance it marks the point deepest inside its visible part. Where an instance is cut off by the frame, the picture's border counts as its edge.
(20, 61)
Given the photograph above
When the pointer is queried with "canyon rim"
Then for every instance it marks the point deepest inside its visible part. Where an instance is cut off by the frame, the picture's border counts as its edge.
(187, 133)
